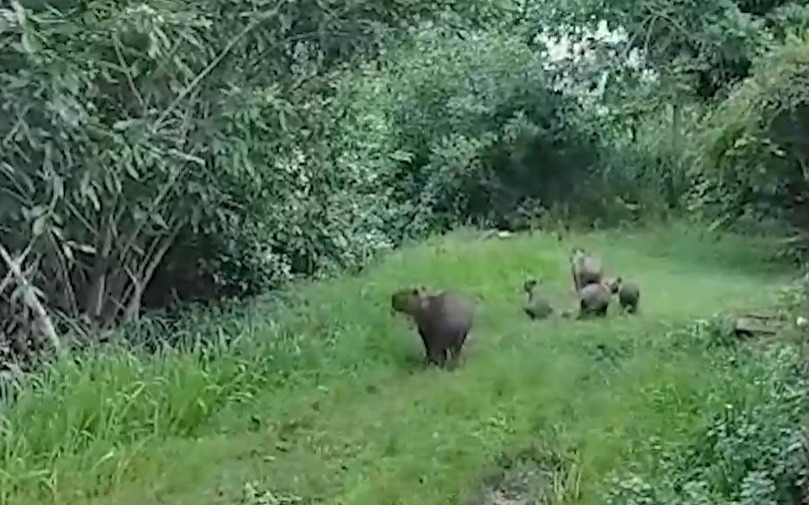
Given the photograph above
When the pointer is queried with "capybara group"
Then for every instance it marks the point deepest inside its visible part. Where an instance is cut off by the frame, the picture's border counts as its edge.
(444, 319)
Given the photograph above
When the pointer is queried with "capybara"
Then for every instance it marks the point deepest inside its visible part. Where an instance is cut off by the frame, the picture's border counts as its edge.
(443, 320)
(613, 284)
(594, 300)
(585, 268)
(536, 306)
(629, 296)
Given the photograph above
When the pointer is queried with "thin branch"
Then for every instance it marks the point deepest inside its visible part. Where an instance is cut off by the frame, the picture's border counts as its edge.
(83, 220)
(64, 271)
(164, 192)
(97, 287)
(125, 68)
(207, 70)
(133, 307)
(18, 124)
(10, 274)
(31, 300)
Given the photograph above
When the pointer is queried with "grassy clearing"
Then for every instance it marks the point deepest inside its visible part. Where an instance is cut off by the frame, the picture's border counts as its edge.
(327, 402)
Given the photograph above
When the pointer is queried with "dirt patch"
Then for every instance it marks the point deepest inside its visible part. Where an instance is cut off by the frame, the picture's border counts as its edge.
(534, 476)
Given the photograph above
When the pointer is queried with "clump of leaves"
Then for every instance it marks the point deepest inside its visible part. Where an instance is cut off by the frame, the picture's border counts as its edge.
(751, 451)
(754, 152)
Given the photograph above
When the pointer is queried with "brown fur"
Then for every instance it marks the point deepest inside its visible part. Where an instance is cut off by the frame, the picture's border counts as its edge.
(443, 320)
(537, 306)
(594, 300)
(629, 297)
(585, 268)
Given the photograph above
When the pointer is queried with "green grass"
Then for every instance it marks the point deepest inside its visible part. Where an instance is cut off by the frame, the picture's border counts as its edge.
(327, 401)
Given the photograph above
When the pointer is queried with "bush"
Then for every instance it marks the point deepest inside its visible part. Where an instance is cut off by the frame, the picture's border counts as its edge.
(751, 447)
(754, 154)
(182, 141)
(178, 142)
(645, 165)
(469, 129)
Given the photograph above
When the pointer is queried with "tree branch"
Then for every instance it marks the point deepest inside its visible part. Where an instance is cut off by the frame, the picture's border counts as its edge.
(29, 297)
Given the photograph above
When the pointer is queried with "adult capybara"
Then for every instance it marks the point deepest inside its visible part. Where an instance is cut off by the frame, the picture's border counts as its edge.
(585, 268)
(443, 320)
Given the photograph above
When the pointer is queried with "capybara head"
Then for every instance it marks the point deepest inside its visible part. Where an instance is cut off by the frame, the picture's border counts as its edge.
(407, 300)
(613, 284)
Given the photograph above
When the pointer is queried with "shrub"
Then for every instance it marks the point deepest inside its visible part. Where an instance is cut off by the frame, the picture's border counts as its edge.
(751, 446)
(753, 155)
(161, 139)
(469, 128)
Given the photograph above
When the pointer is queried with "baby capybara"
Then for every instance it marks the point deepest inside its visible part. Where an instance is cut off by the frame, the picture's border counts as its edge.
(629, 297)
(594, 300)
(537, 306)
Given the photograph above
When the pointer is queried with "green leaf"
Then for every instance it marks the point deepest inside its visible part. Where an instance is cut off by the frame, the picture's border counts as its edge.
(125, 124)
(38, 227)
(39, 210)
(158, 219)
(28, 43)
(131, 170)
(403, 156)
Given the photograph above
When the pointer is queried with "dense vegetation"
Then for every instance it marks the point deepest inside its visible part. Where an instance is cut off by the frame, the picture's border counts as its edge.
(175, 151)
(158, 153)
